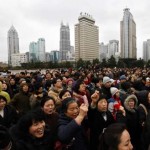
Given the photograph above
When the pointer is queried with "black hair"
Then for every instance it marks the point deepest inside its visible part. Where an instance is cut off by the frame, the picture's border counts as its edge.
(37, 86)
(63, 92)
(102, 96)
(27, 120)
(126, 85)
(54, 81)
(65, 104)
(3, 97)
(45, 99)
(77, 85)
(110, 138)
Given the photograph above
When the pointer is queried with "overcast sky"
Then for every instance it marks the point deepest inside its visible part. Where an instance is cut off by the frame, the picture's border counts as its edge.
(35, 19)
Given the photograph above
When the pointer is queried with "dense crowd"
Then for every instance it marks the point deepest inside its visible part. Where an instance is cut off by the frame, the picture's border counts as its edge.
(84, 109)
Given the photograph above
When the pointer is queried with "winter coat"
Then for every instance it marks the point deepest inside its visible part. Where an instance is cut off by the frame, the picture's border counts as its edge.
(146, 133)
(55, 94)
(52, 121)
(70, 133)
(35, 100)
(133, 123)
(114, 105)
(9, 118)
(97, 124)
(27, 142)
(21, 103)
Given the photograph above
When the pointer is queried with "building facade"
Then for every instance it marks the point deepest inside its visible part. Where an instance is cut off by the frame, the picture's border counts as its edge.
(103, 49)
(41, 49)
(13, 44)
(128, 35)
(18, 58)
(55, 56)
(146, 50)
(37, 51)
(86, 38)
(64, 42)
(113, 48)
(33, 52)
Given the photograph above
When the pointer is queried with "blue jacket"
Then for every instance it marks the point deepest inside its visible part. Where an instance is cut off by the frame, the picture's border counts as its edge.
(70, 133)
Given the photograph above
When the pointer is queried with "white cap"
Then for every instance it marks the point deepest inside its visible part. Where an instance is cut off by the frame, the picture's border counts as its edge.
(113, 90)
(106, 79)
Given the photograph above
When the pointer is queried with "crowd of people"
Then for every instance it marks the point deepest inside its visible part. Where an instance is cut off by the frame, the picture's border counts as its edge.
(68, 109)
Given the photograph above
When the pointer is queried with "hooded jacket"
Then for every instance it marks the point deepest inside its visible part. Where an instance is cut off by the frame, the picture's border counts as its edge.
(3, 93)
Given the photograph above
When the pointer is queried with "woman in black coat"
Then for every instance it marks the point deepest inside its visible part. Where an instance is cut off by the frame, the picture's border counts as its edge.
(144, 115)
(99, 118)
(8, 115)
(30, 133)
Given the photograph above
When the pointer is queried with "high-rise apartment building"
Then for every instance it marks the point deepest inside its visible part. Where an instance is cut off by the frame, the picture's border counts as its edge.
(64, 41)
(86, 38)
(128, 35)
(33, 52)
(55, 56)
(37, 51)
(103, 50)
(146, 50)
(13, 43)
(113, 48)
(41, 49)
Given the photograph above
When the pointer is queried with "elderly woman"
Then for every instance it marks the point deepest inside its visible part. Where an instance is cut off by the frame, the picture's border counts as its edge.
(133, 122)
(72, 126)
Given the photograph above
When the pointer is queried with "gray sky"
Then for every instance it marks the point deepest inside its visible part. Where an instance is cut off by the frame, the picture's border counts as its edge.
(34, 19)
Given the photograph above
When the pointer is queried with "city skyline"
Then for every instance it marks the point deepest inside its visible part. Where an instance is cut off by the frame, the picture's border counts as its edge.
(38, 19)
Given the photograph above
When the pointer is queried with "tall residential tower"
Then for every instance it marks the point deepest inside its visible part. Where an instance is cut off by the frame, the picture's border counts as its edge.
(13, 43)
(146, 50)
(128, 35)
(64, 41)
(86, 38)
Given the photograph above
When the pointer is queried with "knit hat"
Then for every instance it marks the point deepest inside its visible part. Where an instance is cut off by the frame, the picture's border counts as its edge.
(106, 79)
(123, 77)
(113, 91)
(4, 94)
(69, 79)
(112, 80)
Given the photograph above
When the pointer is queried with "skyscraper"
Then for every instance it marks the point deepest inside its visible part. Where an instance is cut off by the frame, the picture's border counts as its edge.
(33, 52)
(113, 47)
(64, 41)
(128, 35)
(86, 38)
(41, 49)
(13, 43)
(146, 50)
(37, 51)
